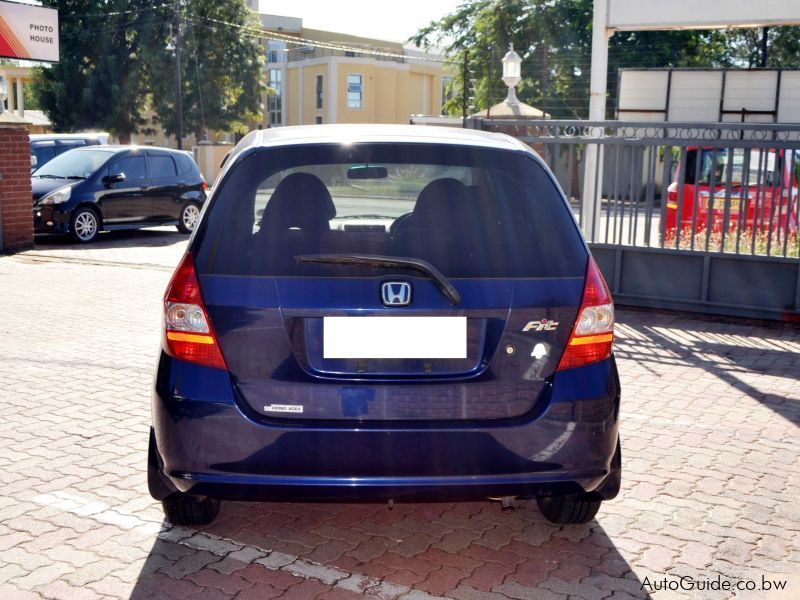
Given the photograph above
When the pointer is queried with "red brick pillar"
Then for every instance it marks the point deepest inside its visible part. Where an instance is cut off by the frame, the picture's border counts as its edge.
(16, 215)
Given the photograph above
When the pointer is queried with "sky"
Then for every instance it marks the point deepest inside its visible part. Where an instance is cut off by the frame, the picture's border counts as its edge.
(391, 20)
(394, 20)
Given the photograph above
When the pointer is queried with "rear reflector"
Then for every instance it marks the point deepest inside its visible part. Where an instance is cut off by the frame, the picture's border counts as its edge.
(592, 339)
(188, 334)
(177, 336)
(593, 334)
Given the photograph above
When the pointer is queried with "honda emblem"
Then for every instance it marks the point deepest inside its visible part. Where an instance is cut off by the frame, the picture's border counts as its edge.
(396, 293)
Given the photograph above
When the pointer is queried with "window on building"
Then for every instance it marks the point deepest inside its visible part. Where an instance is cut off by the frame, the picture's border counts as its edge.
(355, 91)
(319, 91)
(276, 52)
(275, 82)
(318, 120)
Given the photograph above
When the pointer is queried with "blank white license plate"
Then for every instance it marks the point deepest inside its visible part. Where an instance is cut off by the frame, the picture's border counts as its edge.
(395, 337)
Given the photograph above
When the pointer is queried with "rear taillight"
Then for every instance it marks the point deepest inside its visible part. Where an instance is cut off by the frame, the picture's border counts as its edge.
(593, 334)
(188, 334)
(204, 185)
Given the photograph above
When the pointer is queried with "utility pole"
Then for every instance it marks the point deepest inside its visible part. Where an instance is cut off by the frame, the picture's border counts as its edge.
(764, 39)
(545, 77)
(489, 85)
(465, 89)
(178, 95)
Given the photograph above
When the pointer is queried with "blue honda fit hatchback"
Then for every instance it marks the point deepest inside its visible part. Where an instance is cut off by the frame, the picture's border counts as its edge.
(385, 313)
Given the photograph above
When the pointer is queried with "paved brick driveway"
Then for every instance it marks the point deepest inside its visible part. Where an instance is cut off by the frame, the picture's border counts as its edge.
(711, 481)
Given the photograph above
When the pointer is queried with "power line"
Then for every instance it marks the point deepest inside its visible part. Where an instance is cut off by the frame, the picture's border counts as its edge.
(581, 60)
(113, 14)
(275, 36)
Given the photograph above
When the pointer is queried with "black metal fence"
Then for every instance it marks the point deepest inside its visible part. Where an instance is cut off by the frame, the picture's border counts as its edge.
(700, 216)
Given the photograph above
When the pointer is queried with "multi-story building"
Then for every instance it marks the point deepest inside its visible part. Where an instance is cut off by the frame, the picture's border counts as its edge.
(324, 77)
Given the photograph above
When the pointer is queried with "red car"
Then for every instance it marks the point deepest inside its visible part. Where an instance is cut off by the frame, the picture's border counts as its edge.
(765, 195)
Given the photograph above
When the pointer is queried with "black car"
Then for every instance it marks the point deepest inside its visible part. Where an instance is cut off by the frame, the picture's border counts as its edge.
(86, 190)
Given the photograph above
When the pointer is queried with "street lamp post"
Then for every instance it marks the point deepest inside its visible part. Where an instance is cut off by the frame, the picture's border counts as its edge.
(512, 74)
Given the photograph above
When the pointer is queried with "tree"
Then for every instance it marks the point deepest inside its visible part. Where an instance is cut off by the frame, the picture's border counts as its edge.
(115, 64)
(99, 80)
(477, 28)
(554, 39)
(783, 47)
(221, 65)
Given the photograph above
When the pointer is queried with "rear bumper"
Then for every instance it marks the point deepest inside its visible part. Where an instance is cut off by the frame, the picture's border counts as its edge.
(208, 446)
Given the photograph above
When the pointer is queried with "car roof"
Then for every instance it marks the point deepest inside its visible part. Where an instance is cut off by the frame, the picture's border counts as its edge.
(374, 133)
(67, 136)
(116, 148)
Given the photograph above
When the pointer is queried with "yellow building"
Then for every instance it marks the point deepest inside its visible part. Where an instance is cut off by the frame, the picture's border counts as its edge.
(327, 77)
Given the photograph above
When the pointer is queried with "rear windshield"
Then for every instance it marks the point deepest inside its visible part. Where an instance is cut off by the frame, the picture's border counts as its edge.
(470, 212)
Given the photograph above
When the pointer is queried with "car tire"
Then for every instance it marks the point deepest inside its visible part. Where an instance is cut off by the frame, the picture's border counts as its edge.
(184, 509)
(569, 510)
(84, 224)
(189, 217)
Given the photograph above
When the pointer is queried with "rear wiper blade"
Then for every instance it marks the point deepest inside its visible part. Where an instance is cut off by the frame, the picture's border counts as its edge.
(75, 177)
(49, 176)
(389, 262)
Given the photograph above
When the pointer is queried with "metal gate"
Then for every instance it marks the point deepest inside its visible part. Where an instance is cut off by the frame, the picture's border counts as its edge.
(691, 216)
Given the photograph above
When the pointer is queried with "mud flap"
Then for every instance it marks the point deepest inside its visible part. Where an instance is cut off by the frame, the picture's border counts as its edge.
(157, 484)
(610, 487)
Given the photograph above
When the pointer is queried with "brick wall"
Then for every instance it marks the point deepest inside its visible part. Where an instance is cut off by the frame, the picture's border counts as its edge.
(15, 189)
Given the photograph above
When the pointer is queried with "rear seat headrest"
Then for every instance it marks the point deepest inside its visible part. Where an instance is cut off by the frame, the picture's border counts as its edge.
(300, 200)
(441, 198)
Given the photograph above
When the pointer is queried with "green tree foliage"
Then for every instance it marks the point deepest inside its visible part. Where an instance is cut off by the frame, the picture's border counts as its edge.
(221, 65)
(783, 47)
(115, 63)
(554, 38)
(99, 81)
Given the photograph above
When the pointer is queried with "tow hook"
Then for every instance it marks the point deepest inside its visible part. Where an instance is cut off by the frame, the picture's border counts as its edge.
(506, 502)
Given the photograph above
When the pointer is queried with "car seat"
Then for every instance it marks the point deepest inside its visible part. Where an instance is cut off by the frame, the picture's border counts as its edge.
(296, 217)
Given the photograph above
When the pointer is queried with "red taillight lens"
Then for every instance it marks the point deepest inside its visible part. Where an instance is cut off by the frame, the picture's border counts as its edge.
(593, 334)
(188, 334)
(204, 185)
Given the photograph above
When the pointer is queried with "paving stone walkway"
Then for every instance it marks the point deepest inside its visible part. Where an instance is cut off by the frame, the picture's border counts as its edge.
(710, 417)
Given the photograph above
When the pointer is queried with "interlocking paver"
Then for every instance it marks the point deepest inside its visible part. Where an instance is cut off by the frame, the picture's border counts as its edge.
(709, 421)
(228, 583)
(41, 576)
(61, 591)
(11, 571)
(260, 591)
(487, 576)
(515, 590)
